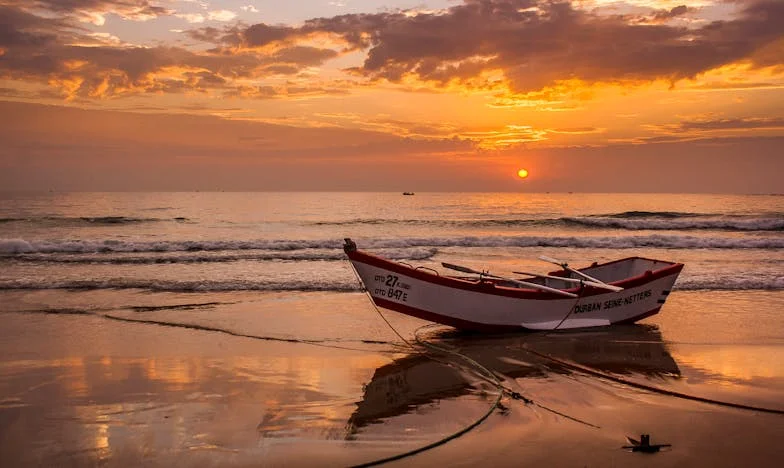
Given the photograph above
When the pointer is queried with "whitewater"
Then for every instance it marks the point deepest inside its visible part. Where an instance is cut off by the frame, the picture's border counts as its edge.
(292, 241)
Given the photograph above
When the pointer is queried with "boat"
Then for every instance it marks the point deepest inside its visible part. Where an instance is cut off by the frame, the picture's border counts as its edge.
(408, 193)
(616, 292)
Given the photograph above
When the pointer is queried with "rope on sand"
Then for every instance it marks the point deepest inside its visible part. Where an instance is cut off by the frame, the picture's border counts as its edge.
(494, 380)
(101, 313)
(650, 388)
(448, 438)
(480, 370)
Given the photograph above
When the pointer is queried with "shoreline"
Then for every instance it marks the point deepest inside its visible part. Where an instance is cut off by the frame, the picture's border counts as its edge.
(77, 388)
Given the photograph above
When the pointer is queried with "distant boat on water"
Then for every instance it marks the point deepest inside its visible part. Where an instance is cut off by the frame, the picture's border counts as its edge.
(408, 193)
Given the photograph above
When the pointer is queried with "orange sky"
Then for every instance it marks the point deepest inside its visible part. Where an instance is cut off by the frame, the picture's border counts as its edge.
(588, 95)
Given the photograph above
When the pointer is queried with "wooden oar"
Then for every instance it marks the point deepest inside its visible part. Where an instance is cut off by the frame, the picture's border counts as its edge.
(513, 281)
(572, 280)
(566, 267)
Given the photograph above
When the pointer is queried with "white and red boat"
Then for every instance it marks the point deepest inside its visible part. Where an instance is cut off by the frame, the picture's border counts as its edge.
(621, 291)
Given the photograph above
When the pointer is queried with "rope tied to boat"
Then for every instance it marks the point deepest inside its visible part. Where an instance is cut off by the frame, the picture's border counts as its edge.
(574, 306)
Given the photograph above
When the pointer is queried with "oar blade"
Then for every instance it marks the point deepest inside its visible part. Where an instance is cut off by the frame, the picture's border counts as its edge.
(553, 260)
(460, 268)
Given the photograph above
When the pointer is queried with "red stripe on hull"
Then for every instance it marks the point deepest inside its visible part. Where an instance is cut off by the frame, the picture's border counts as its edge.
(475, 326)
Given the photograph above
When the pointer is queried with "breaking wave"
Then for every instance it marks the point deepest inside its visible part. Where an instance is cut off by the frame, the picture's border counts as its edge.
(630, 220)
(180, 286)
(89, 220)
(20, 247)
(669, 224)
(339, 283)
(766, 282)
(216, 257)
(653, 214)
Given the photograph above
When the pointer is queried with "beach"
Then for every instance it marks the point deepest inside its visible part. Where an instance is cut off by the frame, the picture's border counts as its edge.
(228, 330)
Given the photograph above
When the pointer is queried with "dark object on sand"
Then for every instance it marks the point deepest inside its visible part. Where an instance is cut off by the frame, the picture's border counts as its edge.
(408, 193)
(644, 444)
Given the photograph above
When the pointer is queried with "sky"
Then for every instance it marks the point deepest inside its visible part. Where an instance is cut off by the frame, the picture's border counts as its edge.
(392, 95)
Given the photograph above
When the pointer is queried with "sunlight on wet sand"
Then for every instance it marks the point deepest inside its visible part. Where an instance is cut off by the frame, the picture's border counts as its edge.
(224, 381)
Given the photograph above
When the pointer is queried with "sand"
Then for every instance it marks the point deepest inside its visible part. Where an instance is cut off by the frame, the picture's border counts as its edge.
(317, 379)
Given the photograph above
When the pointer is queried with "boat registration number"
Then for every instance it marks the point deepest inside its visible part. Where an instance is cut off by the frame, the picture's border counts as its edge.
(391, 287)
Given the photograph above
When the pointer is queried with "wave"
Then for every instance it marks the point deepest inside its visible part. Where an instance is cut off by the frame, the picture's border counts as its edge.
(21, 246)
(337, 284)
(17, 247)
(220, 257)
(630, 220)
(179, 286)
(597, 242)
(89, 220)
(653, 214)
(681, 224)
(767, 282)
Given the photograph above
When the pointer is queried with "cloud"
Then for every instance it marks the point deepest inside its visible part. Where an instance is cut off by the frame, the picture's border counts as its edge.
(712, 125)
(525, 51)
(79, 63)
(94, 11)
(214, 15)
(221, 15)
(534, 43)
(288, 90)
(576, 130)
(193, 18)
(664, 15)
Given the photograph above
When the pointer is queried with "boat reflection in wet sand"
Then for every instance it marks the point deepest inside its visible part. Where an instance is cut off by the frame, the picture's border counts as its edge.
(417, 380)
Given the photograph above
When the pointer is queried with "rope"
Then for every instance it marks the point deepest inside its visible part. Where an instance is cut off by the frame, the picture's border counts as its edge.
(190, 326)
(435, 444)
(571, 309)
(367, 293)
(443, 440)
(494, 380)
(237, 334)
(653, 389)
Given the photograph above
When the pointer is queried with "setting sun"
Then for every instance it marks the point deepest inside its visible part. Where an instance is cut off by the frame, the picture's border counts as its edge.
(522, 173)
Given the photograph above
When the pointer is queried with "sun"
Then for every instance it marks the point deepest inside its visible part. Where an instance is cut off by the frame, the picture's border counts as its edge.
(522, 173)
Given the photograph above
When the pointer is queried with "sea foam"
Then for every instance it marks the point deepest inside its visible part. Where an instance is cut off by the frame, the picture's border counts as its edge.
(21, 246)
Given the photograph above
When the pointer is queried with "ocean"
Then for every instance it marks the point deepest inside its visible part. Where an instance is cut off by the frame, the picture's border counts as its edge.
(229, 329)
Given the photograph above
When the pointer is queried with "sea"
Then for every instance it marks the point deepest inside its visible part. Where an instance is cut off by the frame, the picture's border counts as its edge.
(228, 329)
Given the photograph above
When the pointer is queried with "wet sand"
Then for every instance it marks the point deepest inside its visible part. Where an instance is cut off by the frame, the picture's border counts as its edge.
(122, 378)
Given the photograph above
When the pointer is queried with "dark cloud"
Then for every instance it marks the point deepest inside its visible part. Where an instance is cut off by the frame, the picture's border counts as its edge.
(129, 9)
(261, 34)
(558, 43)
(536, 42)
(674, 12)
(19, 28)
(60, 52)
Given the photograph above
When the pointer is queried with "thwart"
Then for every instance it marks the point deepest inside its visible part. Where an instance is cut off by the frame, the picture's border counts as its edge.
(621, 291)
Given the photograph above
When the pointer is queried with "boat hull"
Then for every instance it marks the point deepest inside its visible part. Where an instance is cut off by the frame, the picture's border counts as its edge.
(490, 307)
